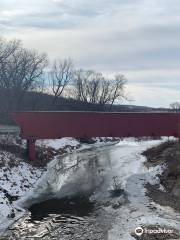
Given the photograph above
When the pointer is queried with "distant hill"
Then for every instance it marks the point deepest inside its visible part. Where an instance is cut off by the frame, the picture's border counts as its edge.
(134, 108)
(34, 101)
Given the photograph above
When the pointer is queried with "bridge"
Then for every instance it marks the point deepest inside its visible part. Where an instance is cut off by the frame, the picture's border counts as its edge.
(55, 125)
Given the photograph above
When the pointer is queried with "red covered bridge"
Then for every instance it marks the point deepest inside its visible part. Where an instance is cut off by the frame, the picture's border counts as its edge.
(54, 125)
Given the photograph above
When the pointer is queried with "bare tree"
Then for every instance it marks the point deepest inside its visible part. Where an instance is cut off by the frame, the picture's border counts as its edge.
(93, 87)
(175, 106)
(117, 91)
(8, 47)
(60, 76)
(20, 70)
(87, 85)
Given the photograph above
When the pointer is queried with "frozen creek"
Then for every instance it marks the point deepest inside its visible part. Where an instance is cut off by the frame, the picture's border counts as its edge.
(93, 194)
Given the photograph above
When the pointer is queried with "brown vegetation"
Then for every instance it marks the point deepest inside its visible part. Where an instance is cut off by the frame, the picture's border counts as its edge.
(168, 155)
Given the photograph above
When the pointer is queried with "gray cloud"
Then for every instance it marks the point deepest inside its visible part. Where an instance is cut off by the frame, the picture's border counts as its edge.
(55, 14)
(139, 38)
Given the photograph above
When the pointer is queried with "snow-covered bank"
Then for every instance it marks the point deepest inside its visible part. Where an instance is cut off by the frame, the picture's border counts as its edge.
(58, 143)
(14, 183)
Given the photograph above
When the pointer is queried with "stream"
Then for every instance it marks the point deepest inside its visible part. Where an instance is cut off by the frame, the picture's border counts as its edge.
(95, 194)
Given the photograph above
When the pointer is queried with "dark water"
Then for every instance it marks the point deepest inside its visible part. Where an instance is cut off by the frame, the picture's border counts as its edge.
(76, 206)
(68, 218)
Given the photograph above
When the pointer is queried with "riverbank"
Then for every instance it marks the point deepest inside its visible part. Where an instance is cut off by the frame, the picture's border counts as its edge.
(166, 192)
(167, 155)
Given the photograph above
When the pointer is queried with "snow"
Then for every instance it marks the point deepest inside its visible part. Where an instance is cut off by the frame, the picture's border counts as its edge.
(58, 143)
(18, 179)
(15, 181)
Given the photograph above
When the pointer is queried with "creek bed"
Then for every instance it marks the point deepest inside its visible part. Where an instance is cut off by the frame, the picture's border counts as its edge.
(95, 194)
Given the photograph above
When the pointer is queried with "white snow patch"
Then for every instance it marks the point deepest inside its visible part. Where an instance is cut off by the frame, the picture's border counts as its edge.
(15, 181)
(58, 143)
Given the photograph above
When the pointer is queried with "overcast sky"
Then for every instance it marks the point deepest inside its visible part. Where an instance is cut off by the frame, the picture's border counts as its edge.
(138, 38)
